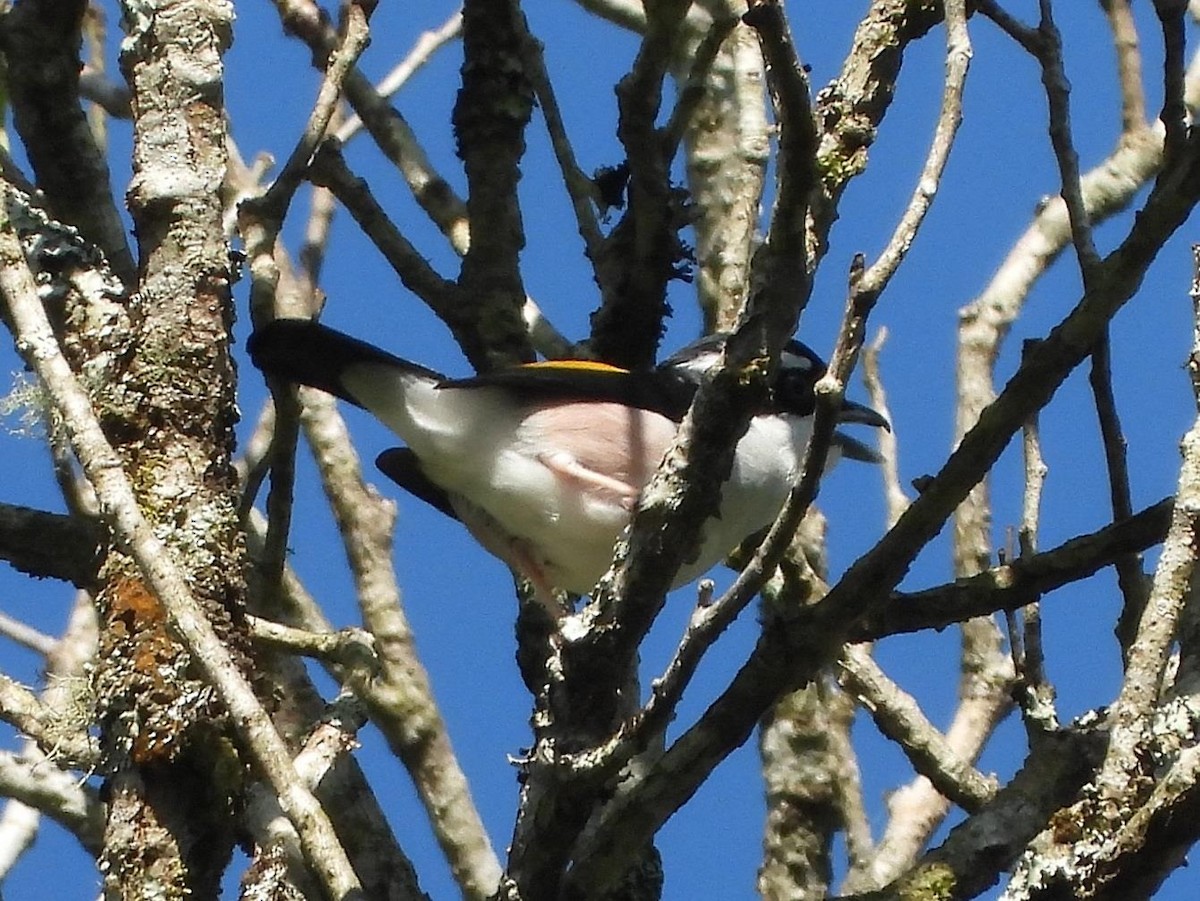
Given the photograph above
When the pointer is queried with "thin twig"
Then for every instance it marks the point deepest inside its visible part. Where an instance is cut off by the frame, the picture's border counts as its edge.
(399, 144)
(110, 96)
(274, 203)
(1174, 110)
(261, 219)
(581, 189)
(1129, 63)
(899, 717)
(58, 794)
(350, 648)
(1037, 697)
(1130, 578)
(958, 58)
(306, 20)
(693, 88)
(887, 441)
(1023, 34)
(1011, 585)
(426, 45)
(21, 709)
(26, 636)
(1058, 89)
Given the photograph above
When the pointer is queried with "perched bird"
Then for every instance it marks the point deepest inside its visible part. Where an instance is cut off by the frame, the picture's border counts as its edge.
(544, 463)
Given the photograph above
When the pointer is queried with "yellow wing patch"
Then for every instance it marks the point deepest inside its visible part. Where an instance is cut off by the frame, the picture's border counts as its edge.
(575, 366)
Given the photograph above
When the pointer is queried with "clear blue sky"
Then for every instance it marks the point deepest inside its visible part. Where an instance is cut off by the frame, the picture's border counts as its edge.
(1000, 169)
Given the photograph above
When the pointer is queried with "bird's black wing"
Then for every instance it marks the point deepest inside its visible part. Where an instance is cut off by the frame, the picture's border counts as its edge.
(656, 390)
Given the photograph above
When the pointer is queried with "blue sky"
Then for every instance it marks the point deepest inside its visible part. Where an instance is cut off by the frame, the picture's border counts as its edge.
(1000, 169)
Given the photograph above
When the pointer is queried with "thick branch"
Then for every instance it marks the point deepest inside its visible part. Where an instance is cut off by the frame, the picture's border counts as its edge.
(1015, 584)
(51, 545)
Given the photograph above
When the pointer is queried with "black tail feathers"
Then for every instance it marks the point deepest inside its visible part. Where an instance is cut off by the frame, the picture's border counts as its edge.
(308, 353)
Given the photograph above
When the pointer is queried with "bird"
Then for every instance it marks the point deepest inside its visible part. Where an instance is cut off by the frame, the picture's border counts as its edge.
(544, 462)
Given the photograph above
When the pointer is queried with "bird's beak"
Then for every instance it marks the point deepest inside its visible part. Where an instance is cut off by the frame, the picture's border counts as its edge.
(862, 414)
(852, 448)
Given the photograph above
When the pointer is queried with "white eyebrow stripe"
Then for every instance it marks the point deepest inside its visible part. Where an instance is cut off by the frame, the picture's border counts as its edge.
(701, 363)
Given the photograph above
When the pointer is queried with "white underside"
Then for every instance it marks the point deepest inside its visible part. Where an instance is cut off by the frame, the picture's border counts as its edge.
(551, 495)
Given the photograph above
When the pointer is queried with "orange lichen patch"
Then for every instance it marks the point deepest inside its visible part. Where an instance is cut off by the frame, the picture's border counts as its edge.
(138, 630)
(134, 604)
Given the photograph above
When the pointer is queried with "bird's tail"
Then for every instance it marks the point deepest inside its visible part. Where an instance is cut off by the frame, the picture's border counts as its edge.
(308, 353)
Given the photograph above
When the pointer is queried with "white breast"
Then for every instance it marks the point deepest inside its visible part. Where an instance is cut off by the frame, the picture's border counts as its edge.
(766, 465)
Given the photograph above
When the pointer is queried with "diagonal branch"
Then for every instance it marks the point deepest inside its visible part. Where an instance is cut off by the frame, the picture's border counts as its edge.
(1012, 585)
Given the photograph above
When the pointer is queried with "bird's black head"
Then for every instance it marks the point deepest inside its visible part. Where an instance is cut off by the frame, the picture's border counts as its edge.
(794, 389)
(796, 379)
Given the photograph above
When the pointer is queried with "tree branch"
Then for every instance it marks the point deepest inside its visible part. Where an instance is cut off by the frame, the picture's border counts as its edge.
(51, 545)
(41, 42)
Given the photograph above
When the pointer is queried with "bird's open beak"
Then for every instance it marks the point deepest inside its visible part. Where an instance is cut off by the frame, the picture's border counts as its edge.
(861, 413)
(852, 448)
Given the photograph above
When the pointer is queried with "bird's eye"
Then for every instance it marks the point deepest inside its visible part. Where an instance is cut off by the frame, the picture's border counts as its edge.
(795, 389)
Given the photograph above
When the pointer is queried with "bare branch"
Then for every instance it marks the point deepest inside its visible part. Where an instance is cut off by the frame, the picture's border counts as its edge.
(20, 708)
(1037, 697)
(349, 648)
(1058, 89)
(1137, 731)
(643, 253)
(581, 189)
(490, 115)
(1012, 585)
(26, 636)
(427, 44)
(976, 851)
(1175, 110)
(110, 96)
(850, 109)
(887, 440)
(388, 128)
(1129, 64)
(18, 830)
(50, 544)
(57, 794)
(262, 217)
(331, 739)
(1130, 577)
(694, 88)
(1149, 653)
(900, 718)
(41, 43)
(958, 57)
